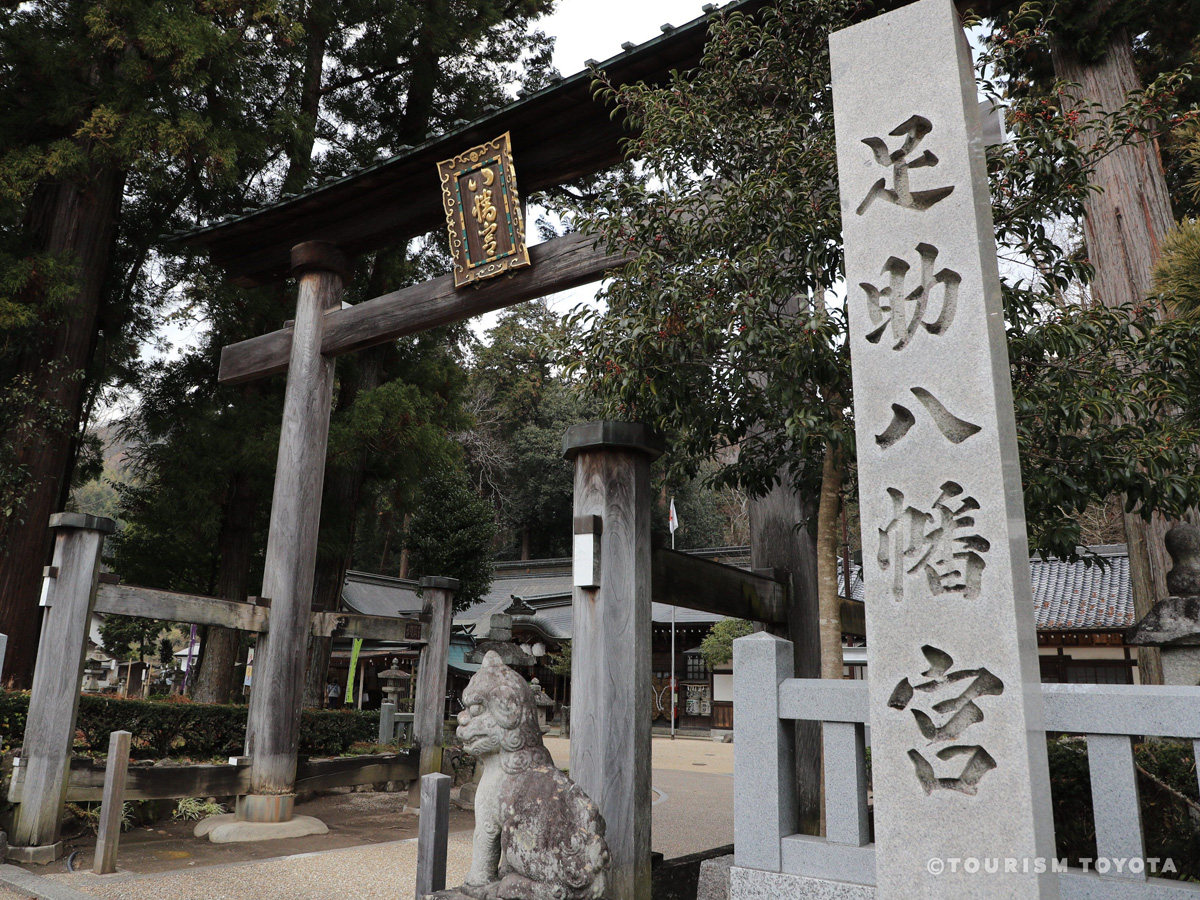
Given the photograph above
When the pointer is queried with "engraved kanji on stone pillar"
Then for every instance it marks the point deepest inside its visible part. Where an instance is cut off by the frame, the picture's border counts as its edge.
(958, 752)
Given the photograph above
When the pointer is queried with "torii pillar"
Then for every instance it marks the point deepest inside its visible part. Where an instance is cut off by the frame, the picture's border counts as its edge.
(273, 723)
(610, 656)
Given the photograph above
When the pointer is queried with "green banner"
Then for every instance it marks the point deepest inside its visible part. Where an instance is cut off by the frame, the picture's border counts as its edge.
(353, 666)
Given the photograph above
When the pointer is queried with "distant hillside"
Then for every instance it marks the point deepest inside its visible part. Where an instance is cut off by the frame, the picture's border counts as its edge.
(116, 450)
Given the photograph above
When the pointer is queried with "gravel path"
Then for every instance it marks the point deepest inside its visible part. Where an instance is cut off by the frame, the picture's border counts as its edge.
(379, 872)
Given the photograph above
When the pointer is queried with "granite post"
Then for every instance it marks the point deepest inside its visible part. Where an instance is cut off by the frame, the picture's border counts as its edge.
(958, 749)
(1174, 622)
(433, 832)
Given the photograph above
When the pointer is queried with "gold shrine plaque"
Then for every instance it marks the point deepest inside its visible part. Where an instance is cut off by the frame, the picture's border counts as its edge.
(483, 212)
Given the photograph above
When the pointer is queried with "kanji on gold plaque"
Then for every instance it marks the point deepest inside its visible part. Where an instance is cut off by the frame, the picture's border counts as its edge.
(483, 212)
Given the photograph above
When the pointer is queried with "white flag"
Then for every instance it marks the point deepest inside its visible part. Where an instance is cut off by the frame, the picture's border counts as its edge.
(672, 519)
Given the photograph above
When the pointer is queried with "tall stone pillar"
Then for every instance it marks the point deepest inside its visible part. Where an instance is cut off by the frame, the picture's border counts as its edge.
(610, 651)
(958, 749)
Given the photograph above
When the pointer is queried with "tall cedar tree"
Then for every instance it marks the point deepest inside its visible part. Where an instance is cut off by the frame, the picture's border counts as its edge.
(100, 104)
(515, 449)
(1091, 49)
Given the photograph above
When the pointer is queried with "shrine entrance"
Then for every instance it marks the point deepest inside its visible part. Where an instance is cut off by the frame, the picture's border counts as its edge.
(556, 135)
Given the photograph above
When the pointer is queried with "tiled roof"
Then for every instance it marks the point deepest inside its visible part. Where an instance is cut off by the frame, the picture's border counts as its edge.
(378, 595)
(1066, 596)
(1069, 596)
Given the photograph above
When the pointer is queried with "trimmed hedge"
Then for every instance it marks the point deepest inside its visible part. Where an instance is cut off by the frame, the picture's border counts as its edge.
(180, 728)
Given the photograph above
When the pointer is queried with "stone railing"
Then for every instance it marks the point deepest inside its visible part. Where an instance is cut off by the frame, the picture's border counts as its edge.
(767, 698)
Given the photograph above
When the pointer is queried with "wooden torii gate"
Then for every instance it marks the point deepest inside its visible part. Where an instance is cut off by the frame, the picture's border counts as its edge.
(558, 134)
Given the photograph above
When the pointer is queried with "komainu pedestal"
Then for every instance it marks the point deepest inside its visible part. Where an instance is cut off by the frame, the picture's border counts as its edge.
(538, 836)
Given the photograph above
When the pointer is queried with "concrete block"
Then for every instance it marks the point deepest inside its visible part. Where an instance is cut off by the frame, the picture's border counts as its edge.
(41, 855)
(26, 884)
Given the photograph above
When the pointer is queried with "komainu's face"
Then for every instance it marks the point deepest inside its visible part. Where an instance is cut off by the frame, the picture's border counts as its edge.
(478, 729)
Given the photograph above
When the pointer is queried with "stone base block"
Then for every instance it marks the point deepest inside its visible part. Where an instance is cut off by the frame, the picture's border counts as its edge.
(714, 879)
(41, 855)
(1181, 665)
(228, 829)
(466, 795)
(754, 884)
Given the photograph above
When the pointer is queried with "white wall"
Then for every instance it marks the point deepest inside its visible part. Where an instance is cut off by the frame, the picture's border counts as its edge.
(722, 688)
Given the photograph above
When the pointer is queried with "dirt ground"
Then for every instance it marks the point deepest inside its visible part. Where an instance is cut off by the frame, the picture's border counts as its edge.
(354, 820)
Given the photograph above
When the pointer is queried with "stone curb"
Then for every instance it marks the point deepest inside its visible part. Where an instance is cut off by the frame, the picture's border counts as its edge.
(40, 887)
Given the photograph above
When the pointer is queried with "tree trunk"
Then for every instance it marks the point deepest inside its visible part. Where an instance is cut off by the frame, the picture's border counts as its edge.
(1124, 225)
(827, 553)
(780, 538)
(317, 24)
(214, 680)
(405, 558)
(75, 220)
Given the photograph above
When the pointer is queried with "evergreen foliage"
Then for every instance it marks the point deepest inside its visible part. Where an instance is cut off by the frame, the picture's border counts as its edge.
(177, 728)
(717, 646)
(724, 332)
(451, 534)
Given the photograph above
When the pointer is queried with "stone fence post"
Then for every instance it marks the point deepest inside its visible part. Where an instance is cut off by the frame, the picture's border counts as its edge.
(764, 780)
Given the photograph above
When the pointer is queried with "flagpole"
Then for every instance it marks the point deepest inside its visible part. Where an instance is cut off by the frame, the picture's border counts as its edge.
(673, 685)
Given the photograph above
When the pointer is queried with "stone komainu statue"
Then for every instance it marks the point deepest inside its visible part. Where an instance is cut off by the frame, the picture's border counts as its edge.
(537, 835)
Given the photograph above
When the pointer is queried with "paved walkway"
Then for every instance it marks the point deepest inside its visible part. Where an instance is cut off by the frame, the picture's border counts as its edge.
(693, 811)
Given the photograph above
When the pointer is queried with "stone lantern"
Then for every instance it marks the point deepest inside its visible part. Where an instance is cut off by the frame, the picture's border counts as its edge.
(1174, 623)
(92, 673)
(543, 703)
(395, 683)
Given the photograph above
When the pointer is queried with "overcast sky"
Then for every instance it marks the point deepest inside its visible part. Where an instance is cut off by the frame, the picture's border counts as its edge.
(586, 29)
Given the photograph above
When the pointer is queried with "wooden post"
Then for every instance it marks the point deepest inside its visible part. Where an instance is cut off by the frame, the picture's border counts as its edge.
(610, 664)
(780, 540)
(68, 595)
(433, 832)
(116, 770)
(273, 723)
(429, 708)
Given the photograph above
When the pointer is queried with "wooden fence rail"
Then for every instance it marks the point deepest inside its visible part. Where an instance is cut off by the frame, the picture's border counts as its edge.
(169, 606)
(86, 781)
